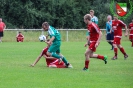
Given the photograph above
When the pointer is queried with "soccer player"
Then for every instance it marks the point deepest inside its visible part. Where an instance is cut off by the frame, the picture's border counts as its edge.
(51, 61)
(110, 33)
(20, 37)
(131, 32)
(117, 27)
(93, 19)
(95, 37)
(55, 39)
(2, 27)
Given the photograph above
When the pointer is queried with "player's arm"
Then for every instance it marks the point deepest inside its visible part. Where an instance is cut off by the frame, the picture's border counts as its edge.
(4, 26)
(99, 38)
(37, 59)
(125, 26)
(126, 30)
(129, 28)
(88, 39)
(106, 28)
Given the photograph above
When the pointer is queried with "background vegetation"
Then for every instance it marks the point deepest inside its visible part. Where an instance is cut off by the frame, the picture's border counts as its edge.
(59, 13)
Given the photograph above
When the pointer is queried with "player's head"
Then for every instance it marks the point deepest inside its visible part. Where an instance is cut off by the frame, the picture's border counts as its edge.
(45, 26)
(19, 32)
(87, 18)
(109, 17)
(115, 17)
(92, 12)
(0, 19)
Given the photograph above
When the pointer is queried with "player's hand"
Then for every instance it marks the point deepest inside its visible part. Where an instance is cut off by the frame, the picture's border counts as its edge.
(96, 45)
(126, 34)
(85, 45)
(32, 65)
(49, 43)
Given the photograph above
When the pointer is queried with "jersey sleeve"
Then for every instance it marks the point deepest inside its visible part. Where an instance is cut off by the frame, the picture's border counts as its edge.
(51, 32)
(129, 26)
(96, 27)
(106, 27)
(122, 23)
(96, 20)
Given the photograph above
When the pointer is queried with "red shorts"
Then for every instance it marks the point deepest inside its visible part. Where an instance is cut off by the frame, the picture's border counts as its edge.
(117, 40)
(92, 46)
(130, 37)
(55, 63)
(20, 39)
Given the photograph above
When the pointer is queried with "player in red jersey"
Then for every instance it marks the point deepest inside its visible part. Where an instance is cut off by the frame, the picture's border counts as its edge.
(117, 27)
(50, 61)
(95, 37)
(131, 32)
(19, 37)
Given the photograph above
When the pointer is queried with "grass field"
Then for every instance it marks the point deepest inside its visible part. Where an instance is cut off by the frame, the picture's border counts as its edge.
(15, 72)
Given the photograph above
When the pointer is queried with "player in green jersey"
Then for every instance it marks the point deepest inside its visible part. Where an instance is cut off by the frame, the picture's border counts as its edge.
(55, 39)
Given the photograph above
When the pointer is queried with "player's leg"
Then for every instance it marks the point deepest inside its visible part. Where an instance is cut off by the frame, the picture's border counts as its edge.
(52, 52)
(123, 51)
(87, 60)
(131, 39)
(101, 57)
(109, 39)
(64, 59)
(115, 48)
(112, 39)
(1, 35)
(57, 64)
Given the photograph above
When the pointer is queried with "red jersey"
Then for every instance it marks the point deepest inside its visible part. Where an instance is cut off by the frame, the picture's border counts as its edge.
(20, 35)
(117, 27)
(2, 26)
(52, 61)
(131, 28)
(94, 32)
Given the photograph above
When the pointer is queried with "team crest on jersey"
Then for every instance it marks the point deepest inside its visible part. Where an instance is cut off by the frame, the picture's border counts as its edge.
(122, 9)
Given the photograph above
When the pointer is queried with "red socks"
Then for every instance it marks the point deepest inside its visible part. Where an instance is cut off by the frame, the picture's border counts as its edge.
(123, 51)
(100, 57)
(115, 51)
(87, 64)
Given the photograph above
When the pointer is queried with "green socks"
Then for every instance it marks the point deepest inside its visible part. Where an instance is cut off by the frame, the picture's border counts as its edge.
(58, 57)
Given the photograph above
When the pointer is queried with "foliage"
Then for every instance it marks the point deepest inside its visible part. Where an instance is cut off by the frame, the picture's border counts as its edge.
(59, 13)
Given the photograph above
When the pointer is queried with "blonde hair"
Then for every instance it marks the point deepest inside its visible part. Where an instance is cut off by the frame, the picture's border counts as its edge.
(92, 11)
(87, 17)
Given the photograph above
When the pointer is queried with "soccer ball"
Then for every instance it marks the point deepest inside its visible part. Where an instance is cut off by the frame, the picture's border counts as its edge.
(42, 38)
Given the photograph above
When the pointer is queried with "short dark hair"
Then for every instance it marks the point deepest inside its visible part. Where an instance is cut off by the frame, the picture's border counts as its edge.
(45, 24)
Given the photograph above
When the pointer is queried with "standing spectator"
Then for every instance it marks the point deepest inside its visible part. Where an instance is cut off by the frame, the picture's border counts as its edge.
(109, 31)
(2, 27)
(94, 18)
(19, 37)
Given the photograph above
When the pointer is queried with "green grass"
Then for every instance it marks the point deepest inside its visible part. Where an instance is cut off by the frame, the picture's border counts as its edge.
(15, 72)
